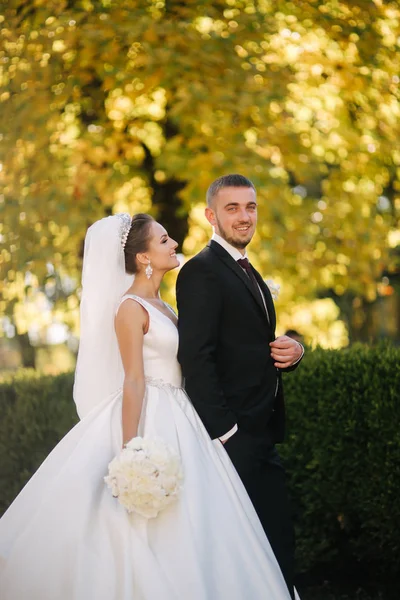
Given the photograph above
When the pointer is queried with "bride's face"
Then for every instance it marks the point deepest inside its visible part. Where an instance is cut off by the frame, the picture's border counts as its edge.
(162, 249)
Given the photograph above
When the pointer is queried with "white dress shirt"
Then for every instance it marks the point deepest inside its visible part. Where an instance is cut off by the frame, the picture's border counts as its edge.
(234, 252)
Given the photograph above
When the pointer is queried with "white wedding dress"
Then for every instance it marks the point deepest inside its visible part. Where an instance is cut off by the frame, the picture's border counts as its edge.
(66, 538)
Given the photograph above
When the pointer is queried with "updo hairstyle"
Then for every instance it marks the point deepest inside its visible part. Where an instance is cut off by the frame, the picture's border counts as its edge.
(137, 241)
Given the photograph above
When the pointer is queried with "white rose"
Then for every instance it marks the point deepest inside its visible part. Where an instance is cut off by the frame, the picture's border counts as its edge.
(146, 476)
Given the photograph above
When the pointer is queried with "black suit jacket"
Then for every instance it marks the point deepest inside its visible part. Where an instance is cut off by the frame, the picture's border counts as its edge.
(224, 351)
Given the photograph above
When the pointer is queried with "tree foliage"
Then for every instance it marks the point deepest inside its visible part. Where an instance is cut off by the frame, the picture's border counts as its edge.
(138, 105)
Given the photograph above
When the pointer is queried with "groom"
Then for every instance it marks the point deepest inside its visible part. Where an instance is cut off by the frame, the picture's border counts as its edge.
(232, 362)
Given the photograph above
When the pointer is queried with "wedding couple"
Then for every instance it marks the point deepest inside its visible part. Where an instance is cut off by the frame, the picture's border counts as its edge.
(228, 536)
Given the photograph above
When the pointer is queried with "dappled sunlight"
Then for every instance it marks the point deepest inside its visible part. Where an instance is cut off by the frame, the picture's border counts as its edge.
(301, 98)
(317, 321)
(133, 197)
(200, 230)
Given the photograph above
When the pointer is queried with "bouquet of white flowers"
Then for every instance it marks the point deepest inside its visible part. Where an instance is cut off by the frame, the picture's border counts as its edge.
(146, 476)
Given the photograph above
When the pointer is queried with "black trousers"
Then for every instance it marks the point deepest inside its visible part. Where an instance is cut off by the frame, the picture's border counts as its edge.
(263, 476)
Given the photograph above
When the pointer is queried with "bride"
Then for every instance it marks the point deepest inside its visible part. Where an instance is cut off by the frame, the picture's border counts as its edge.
(65, 537)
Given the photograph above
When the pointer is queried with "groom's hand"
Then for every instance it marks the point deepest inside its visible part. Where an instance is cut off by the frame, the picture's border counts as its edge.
(227, 436)
(285, 351)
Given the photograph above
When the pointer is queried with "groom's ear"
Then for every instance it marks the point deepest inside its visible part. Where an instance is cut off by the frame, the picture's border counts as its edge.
(210, 216)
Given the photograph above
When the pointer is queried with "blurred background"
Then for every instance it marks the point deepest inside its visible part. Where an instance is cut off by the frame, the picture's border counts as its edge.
(125, 105)
(119, 105)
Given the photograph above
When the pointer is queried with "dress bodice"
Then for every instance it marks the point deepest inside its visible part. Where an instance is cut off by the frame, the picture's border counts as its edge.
(160, 346)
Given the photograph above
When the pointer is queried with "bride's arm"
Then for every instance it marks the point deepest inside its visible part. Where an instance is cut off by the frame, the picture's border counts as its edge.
(131, 324)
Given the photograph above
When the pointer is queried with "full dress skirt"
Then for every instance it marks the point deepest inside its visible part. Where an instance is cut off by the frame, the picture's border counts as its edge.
(66, 538)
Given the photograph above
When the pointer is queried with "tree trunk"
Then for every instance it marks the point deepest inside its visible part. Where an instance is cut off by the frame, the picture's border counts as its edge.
(28, 352)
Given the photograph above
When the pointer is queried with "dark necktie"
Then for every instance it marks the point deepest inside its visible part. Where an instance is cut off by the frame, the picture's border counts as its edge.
(244, 263)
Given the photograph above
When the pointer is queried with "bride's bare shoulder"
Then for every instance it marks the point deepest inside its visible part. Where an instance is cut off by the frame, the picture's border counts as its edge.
(132, 312)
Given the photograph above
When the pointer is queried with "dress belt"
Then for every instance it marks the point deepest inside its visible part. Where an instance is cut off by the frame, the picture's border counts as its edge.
(161, 384)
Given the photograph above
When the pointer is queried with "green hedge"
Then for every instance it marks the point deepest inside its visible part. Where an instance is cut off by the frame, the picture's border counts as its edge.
(35, 412)
(342, 450)
(343, 455)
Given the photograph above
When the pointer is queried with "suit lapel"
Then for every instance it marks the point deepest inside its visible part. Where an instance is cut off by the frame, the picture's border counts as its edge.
(237, 269)
(268, 298)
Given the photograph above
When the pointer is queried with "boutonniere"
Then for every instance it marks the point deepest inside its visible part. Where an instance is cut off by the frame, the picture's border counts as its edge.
(273, 288)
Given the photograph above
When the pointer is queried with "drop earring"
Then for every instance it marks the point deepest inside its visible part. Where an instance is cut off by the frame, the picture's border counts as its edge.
(149, 270)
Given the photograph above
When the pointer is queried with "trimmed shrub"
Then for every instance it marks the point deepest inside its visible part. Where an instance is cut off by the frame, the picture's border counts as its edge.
(35, 413)
(342, 450)
(342, 454)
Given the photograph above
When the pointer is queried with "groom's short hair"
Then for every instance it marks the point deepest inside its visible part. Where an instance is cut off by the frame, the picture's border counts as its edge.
(225, 181)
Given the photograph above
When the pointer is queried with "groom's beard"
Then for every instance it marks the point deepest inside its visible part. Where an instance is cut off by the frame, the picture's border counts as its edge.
(237, 241)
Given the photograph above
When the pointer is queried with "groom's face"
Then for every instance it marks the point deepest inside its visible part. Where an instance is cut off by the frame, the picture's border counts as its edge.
(233, 215)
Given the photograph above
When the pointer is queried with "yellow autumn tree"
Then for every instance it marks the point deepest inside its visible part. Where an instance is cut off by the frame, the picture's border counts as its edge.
(138, 105)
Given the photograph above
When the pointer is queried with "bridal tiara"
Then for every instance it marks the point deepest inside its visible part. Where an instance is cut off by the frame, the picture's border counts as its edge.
(125, 226)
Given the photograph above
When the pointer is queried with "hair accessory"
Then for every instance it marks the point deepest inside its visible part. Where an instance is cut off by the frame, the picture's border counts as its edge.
(149, 270)
(125, 226)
